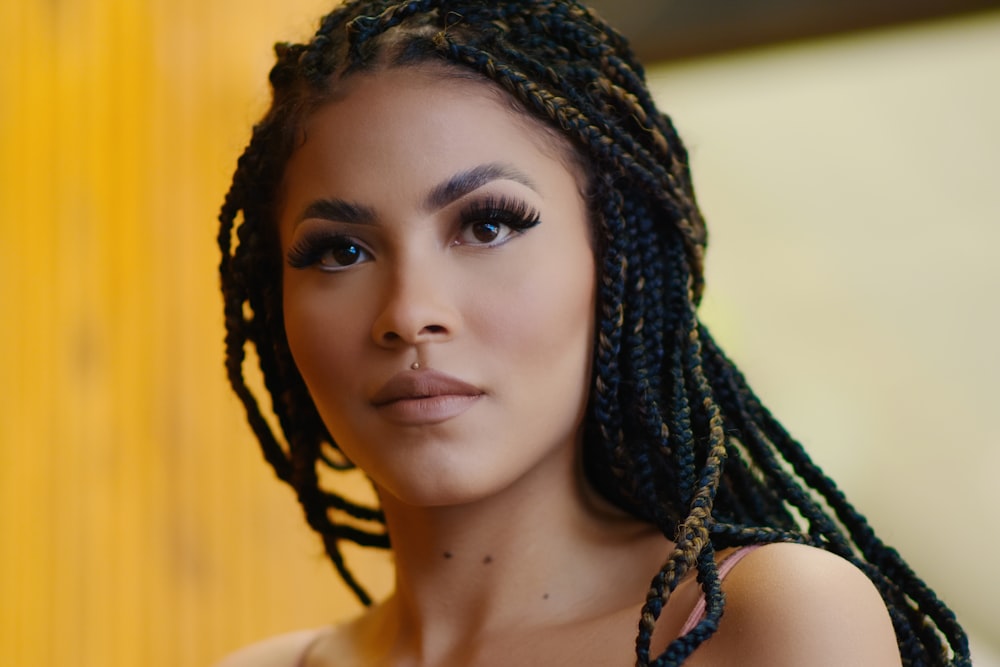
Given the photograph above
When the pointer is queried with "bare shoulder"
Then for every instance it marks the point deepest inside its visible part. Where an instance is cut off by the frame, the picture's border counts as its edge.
(283, 650)
(790, 604)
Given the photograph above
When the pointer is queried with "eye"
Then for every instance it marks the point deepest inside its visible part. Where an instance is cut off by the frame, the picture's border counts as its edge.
(342, 255)
(492, 222)
(484, 233)
(327, 252)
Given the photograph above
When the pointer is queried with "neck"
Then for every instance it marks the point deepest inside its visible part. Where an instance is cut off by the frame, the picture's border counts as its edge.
(545, 548)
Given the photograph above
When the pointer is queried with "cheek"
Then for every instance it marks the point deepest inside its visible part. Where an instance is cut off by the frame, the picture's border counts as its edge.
(542, 319)
(541, 323)
(325, 332)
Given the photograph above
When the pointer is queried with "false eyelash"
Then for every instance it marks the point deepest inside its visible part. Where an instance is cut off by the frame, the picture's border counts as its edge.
(310, 249)
(512, 213)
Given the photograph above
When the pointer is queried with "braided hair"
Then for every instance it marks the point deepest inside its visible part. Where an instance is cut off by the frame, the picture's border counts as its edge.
(673, 433)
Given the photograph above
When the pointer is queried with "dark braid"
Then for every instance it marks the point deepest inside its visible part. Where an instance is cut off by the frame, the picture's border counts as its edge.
(673, 434)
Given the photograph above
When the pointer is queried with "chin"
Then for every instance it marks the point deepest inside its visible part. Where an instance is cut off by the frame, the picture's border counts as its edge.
(437, 490)
(447, 484)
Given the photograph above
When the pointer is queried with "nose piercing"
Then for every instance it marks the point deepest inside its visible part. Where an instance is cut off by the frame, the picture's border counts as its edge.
(415, 365)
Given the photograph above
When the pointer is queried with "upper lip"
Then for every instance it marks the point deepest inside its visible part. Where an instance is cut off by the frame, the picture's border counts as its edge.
(422, 384)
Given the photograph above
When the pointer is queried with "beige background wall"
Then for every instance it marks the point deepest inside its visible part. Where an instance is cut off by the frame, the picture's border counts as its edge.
(851, 188)
(853, 272)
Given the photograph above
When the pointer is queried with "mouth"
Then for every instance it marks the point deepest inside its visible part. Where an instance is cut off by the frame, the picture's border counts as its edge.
(424, 397)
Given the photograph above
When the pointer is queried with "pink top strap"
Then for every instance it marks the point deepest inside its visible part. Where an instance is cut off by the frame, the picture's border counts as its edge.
(698, 613)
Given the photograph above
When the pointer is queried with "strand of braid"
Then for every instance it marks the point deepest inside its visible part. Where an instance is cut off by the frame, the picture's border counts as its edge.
(674, 435)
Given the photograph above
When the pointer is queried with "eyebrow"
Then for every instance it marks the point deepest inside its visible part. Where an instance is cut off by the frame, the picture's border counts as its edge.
(469, 180)
(338, 210)
(456, 187)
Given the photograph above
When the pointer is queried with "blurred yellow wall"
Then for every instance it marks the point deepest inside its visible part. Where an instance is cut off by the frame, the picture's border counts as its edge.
(138, 523)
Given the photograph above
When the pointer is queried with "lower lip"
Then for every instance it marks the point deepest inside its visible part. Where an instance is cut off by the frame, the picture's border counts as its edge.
(427, 411)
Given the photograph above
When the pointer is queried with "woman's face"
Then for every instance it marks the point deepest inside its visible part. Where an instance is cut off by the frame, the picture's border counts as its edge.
(423, 221)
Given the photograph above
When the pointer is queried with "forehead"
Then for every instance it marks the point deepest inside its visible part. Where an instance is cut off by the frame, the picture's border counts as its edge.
(393, 106)
(398, 125)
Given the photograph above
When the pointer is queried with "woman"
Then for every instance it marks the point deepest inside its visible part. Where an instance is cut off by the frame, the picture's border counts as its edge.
(469, 260)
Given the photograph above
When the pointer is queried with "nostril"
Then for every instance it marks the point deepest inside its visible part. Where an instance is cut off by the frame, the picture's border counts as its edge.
(434, 329)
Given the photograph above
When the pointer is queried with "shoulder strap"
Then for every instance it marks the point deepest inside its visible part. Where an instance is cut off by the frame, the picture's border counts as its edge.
(725, 567)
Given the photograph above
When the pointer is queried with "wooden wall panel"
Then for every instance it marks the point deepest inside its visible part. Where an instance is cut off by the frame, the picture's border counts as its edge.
(138, 523)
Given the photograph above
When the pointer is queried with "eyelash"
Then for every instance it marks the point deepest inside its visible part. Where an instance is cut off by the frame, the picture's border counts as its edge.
(310, 250)
(515, 215)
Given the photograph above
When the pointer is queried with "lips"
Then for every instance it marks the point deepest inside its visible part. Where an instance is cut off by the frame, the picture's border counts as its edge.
(410, 385)
(424, 397)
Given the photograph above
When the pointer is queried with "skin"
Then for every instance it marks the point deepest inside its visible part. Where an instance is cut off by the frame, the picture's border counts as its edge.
(503, 554)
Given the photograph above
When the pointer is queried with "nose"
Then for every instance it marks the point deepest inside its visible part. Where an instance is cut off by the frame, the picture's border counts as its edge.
(418, 307)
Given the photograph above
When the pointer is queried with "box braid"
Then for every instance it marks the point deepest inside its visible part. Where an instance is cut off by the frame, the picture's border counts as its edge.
(673, 434)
